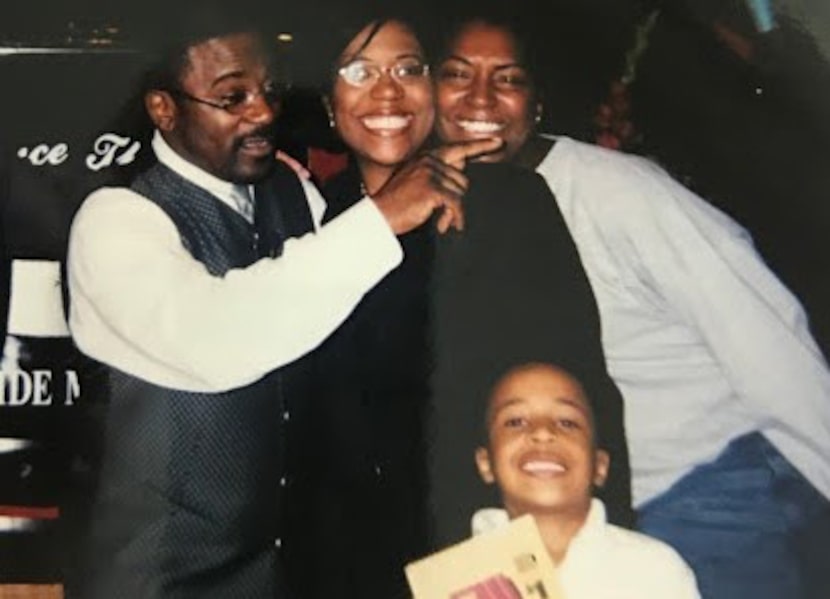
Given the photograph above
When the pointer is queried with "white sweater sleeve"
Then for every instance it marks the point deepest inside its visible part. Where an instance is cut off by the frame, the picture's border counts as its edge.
(141, 303)
(707, 269)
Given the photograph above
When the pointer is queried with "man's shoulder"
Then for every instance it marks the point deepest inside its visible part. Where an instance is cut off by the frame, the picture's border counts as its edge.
(112, 206)
(295, 196)
(103, 196)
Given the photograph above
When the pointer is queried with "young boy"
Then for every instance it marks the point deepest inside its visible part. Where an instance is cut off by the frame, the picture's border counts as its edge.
(543, 455)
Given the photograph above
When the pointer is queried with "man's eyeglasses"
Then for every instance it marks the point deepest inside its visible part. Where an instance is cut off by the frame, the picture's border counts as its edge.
(237, 101)
(361, 73)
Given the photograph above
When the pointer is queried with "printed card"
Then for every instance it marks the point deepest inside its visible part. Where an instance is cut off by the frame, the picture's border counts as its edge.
(508, 563)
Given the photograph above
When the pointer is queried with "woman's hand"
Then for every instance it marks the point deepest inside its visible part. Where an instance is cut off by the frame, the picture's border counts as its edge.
(432, 181)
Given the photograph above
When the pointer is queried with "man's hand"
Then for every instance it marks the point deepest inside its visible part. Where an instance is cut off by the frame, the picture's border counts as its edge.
(432, 181)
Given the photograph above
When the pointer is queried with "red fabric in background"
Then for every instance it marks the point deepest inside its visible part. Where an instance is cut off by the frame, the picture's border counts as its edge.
(324, 164)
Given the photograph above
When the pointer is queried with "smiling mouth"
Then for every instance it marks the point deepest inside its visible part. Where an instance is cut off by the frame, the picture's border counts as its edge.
(543, 467)
(257, 145)
(478, 127)
(387, 123)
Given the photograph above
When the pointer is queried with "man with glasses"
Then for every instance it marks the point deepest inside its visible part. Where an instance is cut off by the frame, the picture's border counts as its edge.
(199, 288)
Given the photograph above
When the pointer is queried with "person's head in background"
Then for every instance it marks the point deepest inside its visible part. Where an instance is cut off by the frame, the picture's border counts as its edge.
(485, 86)
(542, 449)
(380, 97)
(213, 97)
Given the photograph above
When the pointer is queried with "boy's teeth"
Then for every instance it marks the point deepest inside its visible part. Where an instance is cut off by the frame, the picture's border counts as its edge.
(385, 122)
(543, 466)
(480, 126)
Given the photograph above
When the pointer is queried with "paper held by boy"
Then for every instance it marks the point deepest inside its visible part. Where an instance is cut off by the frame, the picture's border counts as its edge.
(508, 563)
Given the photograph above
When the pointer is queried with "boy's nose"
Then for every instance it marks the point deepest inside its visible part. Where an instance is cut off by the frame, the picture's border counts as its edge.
(545, 431)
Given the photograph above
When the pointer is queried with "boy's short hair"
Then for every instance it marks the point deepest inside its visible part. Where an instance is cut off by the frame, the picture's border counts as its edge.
(484, 431)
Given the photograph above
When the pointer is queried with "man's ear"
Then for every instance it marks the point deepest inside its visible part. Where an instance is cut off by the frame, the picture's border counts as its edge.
(602, 463)
(485, 469)
(162, 109)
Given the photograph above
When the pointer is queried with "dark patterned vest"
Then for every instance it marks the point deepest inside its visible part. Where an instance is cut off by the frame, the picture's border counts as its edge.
(189, 498)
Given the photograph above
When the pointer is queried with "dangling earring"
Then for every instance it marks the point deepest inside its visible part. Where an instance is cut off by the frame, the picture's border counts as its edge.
(538, 118)
(329, 112)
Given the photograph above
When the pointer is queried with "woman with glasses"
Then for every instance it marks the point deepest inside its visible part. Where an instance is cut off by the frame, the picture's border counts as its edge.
(360, 492)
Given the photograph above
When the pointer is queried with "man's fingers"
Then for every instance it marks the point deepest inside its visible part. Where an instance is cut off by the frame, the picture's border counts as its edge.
(457, 155)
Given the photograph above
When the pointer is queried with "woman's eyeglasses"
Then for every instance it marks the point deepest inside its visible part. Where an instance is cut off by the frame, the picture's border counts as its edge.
(362, 73)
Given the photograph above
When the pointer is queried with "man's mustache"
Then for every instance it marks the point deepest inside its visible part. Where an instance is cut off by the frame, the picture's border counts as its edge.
(265, 132)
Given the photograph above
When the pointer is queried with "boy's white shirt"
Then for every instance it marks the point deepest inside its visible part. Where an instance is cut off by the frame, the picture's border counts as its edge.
(604, 561)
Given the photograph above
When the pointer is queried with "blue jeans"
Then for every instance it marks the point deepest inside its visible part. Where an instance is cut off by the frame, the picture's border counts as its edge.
(749, 525)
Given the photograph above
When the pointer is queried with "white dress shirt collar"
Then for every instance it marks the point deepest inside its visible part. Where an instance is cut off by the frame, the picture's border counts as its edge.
(489, 519)
(225, 191)
(585, 541)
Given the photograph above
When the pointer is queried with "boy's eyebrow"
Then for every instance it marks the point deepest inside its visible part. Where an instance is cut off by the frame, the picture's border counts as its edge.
(493, 409)
(579, 405)
(574, 403)
(506, 404)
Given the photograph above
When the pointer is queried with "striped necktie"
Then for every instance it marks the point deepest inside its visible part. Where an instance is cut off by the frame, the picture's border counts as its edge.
(244, 202)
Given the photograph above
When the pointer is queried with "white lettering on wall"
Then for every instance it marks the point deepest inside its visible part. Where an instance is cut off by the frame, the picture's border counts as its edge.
(33, 388)
(73, 387)
(109, 148)
(42, 154)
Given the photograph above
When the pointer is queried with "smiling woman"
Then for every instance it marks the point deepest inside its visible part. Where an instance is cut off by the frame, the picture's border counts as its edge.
(359, 500)
(381, 101)
(485, 89)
